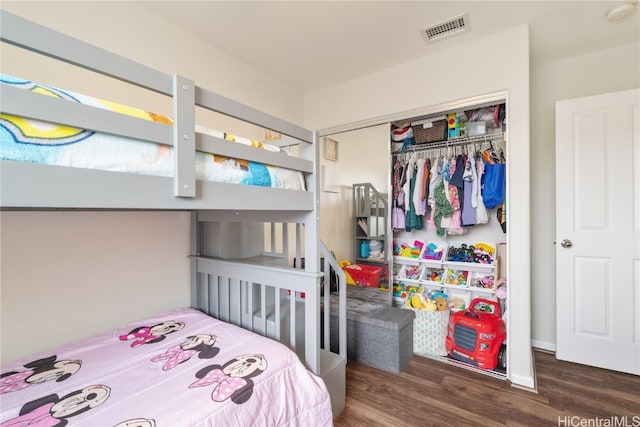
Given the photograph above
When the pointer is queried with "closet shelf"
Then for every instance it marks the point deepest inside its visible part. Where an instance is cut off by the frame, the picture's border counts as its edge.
(479, 139)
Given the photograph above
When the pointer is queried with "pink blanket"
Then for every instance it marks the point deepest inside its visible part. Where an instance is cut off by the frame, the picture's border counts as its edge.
(182, 368)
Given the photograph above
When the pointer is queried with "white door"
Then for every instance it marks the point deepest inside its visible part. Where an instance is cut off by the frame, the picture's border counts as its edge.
(597, 231)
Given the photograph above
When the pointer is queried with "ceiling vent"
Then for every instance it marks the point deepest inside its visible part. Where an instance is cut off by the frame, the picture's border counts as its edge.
(447, 28)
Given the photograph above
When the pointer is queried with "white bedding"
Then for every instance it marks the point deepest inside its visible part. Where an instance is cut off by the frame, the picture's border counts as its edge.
(28, 140)
(183, 368)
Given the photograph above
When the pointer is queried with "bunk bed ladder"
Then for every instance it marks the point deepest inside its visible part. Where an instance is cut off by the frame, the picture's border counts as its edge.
(333, 365)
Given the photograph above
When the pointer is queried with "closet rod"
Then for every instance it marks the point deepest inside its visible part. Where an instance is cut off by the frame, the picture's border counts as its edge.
(453, 142)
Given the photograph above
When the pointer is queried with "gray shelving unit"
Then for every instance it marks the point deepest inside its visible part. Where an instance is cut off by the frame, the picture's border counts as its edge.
(371, 223)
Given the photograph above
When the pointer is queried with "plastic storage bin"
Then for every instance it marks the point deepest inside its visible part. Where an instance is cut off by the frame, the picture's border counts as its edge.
(408, 249)
(434, 251)
(364, 275)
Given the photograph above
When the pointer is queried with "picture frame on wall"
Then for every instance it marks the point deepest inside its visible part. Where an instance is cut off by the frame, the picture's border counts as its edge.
(331, 149)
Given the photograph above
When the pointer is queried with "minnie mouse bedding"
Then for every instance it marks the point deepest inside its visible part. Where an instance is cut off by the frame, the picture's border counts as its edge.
(28, 140)
(182, 368)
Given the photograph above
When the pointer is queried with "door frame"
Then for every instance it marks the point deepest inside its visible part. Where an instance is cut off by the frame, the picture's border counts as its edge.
(518, 250)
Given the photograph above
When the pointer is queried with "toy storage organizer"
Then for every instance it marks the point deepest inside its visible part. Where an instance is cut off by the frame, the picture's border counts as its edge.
(461, 280)
(436, 250)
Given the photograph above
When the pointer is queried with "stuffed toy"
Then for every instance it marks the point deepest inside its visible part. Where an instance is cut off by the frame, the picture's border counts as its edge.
(442, 304)
(430, 305)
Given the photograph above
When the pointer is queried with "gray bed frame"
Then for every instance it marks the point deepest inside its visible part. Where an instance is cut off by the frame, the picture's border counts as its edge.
(262, 293)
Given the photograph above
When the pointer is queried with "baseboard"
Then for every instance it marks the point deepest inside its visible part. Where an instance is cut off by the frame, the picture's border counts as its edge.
(544, 345)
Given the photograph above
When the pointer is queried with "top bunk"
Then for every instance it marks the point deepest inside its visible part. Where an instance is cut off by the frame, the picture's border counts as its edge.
(73, 151)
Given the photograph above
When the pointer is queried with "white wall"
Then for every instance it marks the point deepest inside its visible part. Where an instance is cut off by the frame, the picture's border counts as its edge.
(431, 81)
(130, 30)
(66, 275)
(598, 72)
(363, 157)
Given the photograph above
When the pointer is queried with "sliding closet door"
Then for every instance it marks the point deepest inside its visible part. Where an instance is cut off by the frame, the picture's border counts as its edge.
(597, 230)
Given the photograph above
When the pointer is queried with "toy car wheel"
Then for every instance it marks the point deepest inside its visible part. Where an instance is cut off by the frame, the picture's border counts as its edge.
(502, 357)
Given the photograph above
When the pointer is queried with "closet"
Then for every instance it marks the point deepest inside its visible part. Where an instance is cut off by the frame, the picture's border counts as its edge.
(448, 217)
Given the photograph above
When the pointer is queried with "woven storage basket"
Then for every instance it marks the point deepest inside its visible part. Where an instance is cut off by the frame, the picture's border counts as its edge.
(436, 132)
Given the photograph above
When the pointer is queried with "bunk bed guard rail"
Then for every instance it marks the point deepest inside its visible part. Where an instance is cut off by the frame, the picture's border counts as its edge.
(186, 96)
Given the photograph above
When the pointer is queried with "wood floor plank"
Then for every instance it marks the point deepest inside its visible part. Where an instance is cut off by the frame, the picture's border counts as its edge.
(432, 393)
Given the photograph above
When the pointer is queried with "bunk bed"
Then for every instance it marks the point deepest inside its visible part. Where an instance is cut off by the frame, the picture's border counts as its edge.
(255, 298)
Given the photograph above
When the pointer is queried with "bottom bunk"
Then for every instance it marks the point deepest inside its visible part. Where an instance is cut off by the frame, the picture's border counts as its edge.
(243, 272)
(281, 304)
(179, 368)
(75, 374)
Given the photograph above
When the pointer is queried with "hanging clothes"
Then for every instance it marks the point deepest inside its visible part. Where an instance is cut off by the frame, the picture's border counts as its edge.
(445, 222)
(471, 160)
(493, 184)
(418, 191)
(436, 178)
(406, 185)
(470, 202)
(412, 221)
(452, 193)
(442, 208)
(397, 212)
(482, 217)
(456, 168)
(426, 184)
(501, 214)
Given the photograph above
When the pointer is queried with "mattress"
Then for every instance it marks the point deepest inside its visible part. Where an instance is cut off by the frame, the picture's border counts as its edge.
(28, 140)
(182, 368)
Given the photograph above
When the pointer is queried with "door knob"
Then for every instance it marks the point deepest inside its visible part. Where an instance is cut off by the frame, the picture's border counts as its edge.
(566, 243)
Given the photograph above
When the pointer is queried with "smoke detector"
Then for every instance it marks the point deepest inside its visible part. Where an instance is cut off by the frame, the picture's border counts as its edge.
(447, 28)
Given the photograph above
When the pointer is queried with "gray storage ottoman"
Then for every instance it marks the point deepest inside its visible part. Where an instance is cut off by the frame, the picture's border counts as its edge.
(377, 334)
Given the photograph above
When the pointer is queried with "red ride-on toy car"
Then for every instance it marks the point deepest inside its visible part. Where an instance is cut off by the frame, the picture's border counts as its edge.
(476, 335)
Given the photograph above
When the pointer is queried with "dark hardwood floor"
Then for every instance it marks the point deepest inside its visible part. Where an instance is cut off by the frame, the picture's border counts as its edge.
(433, 393)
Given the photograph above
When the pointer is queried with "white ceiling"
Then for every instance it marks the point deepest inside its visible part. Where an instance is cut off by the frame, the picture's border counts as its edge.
(314, 44)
